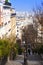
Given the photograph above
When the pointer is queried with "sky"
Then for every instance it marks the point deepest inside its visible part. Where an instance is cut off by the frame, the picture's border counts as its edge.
(25, 5)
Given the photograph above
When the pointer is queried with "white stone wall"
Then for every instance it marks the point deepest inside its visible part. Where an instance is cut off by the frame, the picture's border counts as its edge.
(4, 30)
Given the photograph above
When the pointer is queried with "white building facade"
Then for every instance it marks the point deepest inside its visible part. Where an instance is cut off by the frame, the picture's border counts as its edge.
(22, 19)
(5, 19)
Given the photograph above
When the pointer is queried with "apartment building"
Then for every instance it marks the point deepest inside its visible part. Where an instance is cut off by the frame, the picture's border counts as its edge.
(13, 23)
(7, 19)
(22, 19)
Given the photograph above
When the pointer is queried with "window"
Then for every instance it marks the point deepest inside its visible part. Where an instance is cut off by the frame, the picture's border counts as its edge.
(17, 35)
(17, 30)
(5, 23)
(9, 29)
(8, 21)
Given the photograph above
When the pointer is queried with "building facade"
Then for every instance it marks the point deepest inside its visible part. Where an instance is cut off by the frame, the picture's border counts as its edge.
(22, 19)
(7, 20)
(13, 23)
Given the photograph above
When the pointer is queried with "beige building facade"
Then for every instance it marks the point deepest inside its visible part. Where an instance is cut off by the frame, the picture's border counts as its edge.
(13, 23)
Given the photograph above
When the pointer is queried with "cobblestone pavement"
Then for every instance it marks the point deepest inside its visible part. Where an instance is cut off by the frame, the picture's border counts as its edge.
(19, 61)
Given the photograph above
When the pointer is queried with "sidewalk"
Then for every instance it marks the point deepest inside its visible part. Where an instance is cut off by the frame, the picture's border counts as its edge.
(29, 63)
(13, 63)
(19, 61)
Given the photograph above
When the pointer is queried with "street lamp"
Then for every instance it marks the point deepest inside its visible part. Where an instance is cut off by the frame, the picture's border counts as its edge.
(25, 54)
(25, 45)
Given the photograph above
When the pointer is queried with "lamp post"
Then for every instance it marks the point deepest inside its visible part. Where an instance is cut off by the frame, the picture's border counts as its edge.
(25, 54)
(25, 44)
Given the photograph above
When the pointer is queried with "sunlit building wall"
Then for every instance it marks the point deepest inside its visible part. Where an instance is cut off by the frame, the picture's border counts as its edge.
(7, 20)
(22, 19)
(13, 23)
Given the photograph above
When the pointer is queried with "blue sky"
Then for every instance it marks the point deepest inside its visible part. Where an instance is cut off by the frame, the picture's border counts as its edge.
(25, 5)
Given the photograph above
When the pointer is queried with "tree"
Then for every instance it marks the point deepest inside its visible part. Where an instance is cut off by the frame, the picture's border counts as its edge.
(38, 20)
(29, 35)
(6, 0)
(4, 48)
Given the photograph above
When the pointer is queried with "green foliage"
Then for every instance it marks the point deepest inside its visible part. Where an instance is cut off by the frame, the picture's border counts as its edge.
(9, 48)
(6, 0)
(4, 47)
(12, 54)
(41, 49)
(19, 49)
(13, 50)
(38, 49)
(16, 47)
